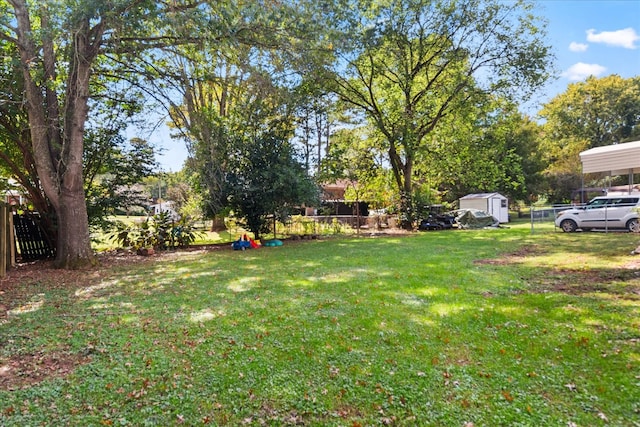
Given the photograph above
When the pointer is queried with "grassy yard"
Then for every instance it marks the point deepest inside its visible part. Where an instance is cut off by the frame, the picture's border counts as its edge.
(454, 328)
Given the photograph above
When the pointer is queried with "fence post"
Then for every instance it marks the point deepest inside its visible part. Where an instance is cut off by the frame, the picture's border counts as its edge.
(4, 238)
(11, 238)
(531, 215)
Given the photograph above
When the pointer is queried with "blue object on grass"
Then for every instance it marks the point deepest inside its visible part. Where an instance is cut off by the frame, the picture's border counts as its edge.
(241, 245)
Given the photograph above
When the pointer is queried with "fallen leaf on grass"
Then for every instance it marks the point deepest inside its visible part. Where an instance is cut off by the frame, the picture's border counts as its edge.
(507, 396)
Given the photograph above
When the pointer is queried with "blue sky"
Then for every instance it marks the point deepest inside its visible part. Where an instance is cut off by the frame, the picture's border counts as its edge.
(589, 37)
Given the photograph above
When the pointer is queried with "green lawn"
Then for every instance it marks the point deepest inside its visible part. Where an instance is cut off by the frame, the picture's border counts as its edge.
(454, 328)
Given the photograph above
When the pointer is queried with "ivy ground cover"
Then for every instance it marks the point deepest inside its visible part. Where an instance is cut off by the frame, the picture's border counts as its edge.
(454, 328)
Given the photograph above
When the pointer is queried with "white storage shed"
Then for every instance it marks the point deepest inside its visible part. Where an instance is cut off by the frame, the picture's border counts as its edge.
(494, 204)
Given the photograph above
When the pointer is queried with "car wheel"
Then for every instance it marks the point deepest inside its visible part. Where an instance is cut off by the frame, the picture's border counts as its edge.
(568, 226)
(633, 225)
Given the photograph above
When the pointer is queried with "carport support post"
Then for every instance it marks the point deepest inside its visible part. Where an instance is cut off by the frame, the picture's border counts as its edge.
(606, 207)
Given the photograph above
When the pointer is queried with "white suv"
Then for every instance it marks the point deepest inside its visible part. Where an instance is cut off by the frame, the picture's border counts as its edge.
(602, 212)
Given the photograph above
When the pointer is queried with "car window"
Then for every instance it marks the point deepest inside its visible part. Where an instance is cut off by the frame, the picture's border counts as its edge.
(596, 203)
(611, 202)
(627, 201)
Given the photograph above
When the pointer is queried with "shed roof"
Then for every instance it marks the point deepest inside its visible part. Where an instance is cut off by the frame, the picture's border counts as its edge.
(483, 196)
(618, 159)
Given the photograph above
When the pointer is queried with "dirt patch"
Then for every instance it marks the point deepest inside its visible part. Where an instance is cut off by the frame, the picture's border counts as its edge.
(622, 282)
(512, 257)
(27, 370)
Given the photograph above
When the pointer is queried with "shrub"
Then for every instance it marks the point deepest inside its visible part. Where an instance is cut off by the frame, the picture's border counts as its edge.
(159, 232)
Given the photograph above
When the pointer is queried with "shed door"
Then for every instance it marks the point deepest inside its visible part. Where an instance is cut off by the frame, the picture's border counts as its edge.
(497, 210)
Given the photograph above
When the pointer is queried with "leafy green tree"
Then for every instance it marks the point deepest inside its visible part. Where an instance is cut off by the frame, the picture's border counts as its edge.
(598, 111)
(419, 61)
(265, 179)
(276, 44)
(210, 96)
(61, 46)
(111, 165)
(492, 149)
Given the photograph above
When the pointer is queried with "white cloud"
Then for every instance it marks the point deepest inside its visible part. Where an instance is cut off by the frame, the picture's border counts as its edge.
(622, 38)
(578, 47)
(581, 71)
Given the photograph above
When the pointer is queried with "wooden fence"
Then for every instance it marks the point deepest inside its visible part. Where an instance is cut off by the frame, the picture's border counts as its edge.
(7, 246)
(33, 244)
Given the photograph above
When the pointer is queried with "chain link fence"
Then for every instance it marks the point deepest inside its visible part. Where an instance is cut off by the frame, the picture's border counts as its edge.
(602, 218)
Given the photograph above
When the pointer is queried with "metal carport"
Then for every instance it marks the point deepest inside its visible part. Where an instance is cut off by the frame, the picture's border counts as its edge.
(616, 159)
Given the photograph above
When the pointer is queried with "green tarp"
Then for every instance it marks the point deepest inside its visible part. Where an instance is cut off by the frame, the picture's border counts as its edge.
(475, 218)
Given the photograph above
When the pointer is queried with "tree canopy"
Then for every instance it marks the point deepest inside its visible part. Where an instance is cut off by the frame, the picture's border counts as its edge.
(61, 47)
(416, 62)
(236, 78)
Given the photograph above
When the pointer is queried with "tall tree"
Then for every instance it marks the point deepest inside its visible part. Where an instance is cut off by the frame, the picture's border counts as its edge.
(109, 162)
(16, 153)
(598, 111)
(59, 45)
(418, 61)
(265, 179)
(212, 84)
(275, 39)
(263, 176)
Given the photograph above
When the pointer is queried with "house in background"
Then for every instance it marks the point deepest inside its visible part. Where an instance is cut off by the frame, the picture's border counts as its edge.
(165, 206)
(14, 196)
(333, 201)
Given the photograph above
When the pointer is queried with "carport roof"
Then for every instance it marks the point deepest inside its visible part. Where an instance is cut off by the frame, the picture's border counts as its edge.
(617, 159)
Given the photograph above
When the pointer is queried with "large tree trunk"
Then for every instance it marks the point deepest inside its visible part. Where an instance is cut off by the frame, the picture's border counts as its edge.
(407, 208)
(74, 248)
(57, 127)
(402, 172)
